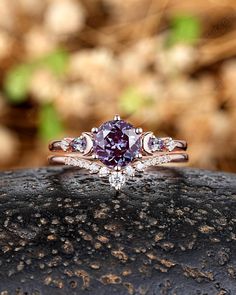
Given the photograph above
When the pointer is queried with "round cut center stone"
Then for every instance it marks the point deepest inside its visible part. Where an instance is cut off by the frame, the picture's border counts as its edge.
(116, 143)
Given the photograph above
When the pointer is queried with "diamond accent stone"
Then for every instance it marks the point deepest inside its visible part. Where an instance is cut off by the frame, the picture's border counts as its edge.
(156, 144)
(151, 162)
(77, 162)
(156, 161)
(130, 171)
(64, 144)
(85, 165)
(165, 159)
(140, 166)
(104, 171)
(94, 168)
(72, 162)
(116, 143)
(78, 144)
(170, 144)
(117, 180)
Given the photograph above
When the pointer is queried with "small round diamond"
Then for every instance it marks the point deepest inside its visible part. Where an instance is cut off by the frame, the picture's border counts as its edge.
(117, 180)
(85, 164)
(140, 166)
(104, 171)
(151, 162)
(94, 168)
(130, 171)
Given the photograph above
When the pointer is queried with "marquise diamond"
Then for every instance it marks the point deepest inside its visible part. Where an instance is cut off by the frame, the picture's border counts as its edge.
(170, 144)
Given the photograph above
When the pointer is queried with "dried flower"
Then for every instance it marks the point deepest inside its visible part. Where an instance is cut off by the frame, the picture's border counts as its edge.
(177, 59)
(64, 17)
(39, 42)
(8, 147)
(32, 7)
(6, 44)
(44, 87)
(74, 101)
(8, 11)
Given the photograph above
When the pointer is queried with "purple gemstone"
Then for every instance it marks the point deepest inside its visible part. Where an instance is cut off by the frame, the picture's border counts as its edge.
(78, 144)
(116, 143)
(156, 144)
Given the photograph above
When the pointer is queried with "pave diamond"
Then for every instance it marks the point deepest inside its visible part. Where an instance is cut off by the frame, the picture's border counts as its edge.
(94, 168)
(117, 180)
(116, 143)
(78, 162)
(104, 171)
(140, 166)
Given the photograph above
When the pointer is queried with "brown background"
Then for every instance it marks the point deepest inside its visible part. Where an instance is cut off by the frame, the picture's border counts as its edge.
(166, 66)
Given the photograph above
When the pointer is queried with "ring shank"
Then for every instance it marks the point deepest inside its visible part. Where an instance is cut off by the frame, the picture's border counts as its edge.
(181, 144)
(62, 160)
(56, 145)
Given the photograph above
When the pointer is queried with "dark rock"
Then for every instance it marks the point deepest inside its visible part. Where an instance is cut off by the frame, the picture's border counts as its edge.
(64, 232)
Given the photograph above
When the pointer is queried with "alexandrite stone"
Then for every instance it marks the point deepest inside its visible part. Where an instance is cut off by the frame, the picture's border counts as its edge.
(116, 143)
(78, 144)
(156, 144)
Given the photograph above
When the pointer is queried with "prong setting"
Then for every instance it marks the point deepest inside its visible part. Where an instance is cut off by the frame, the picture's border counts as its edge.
(117, 118)
(94, 130)
(138, 130)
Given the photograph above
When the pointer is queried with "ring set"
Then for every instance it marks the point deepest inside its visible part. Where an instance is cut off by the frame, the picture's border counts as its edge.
(117, 150)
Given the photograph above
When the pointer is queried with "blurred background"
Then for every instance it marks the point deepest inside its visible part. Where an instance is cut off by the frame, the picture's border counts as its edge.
(164, 65)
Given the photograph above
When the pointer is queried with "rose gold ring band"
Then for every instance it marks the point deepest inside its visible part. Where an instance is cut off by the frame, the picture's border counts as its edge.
(63, 159)
(117, 150)
(57, 145)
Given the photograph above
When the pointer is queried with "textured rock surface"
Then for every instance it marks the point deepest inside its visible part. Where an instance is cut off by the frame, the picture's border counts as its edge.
(63, 232)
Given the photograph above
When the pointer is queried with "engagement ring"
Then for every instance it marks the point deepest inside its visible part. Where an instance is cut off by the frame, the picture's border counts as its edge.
(117, 150)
